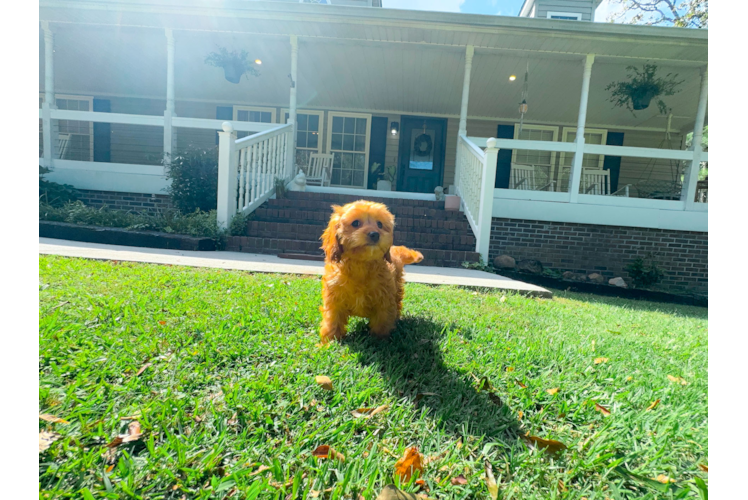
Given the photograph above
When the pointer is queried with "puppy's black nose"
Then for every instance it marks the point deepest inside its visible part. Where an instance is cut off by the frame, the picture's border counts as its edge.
(374, 236)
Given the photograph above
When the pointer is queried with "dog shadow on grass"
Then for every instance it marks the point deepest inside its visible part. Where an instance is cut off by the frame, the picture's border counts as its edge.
(412, 363)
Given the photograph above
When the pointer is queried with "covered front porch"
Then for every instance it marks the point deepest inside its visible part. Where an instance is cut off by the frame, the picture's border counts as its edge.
(368, 89)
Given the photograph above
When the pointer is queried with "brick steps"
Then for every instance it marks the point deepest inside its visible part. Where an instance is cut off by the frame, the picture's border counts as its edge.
(293, 226)
(275, 246)
(440, 239)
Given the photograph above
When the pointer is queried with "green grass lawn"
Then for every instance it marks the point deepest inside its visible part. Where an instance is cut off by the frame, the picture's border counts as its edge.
(229, 407)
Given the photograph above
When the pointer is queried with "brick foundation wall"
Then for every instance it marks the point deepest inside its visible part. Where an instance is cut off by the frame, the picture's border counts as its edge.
(131, 202)
(588, 248)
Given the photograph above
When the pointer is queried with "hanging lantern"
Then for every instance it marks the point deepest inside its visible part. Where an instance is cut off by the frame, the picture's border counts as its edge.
(523, 107)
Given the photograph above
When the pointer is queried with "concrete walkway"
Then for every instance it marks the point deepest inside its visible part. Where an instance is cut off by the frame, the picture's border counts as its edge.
(272, 264)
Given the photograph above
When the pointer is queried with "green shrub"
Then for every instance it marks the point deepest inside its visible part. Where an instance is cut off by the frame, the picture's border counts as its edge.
(238, 226)
(198, 223)
(54, 194)
(644, 272)
(194, 179)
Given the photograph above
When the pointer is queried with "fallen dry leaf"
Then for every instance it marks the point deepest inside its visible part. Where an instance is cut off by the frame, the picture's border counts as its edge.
(458, 480)
(46, 438)
(521, 384)
(703, 467)
(653, 405)
(602, 409)
(561, 486)
(520, 414)
(133, 434)
(422, 484)
(552, 391)
(162, 322)
(549, 445)
(410, 463)
(493, 488)
(260, 470)
(600, 360)
(502, 299)
(368, 412)
(662, 478)
(509, 368)
(677, 380)
(391, 493)
(143, 368)
(51, 418)
(324, 451)
(324, 382)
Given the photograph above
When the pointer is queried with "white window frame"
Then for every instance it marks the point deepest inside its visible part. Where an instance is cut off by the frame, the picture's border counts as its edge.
(330, 116)
(88, 98)
(536, 127)
(272, 111)
(576, 15)
(320, 114)
(600, 131)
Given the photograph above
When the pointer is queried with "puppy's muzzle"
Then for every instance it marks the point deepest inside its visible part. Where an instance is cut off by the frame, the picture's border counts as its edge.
(374, 236)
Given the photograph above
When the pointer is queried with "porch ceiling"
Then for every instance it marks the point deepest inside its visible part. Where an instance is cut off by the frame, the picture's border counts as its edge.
(354, 75)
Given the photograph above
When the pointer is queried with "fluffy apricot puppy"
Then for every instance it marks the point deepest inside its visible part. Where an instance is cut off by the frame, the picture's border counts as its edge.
(363, 271)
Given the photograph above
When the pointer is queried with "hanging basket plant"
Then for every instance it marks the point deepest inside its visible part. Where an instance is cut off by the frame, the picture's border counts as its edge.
(642, 86)
(235, 64)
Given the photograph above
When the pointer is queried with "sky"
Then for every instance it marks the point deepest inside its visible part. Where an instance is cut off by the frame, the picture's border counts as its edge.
(487, 7)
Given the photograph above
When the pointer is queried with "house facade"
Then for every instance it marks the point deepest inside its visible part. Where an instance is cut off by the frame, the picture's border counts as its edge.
(486, 106)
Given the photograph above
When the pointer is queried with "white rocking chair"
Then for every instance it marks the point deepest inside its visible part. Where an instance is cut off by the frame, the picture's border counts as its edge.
(522, 177)
(319, 170)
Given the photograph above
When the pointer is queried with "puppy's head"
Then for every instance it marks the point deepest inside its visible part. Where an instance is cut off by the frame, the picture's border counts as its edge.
(360, 231)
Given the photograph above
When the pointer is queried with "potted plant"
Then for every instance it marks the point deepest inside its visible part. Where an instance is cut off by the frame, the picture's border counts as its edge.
(235, 63)
(385, 176)
(642, 86)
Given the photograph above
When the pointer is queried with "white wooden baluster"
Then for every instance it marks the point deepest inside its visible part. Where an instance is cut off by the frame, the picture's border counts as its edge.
(246, 177)
(254, 172)
(275, 157)
(242, 159)
(264, 168)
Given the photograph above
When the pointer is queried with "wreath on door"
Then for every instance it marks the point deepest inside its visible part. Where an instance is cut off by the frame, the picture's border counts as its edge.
(422, 145)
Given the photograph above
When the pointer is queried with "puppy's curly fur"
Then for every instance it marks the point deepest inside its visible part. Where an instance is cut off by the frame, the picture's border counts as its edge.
(363, 271)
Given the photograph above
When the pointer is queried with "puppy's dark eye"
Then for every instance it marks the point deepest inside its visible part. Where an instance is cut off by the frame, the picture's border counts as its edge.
(379, 224)
(355, 223)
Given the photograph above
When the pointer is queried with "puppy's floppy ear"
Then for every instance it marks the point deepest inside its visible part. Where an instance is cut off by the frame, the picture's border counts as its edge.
(330, 242)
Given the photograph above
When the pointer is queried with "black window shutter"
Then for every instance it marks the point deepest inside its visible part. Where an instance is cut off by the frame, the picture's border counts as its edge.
(377, 146)
(224, 113)
(504, 160)
(102, 133)
(613, 163)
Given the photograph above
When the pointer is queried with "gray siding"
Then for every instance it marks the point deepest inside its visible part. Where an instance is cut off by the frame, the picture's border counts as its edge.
(584, 7)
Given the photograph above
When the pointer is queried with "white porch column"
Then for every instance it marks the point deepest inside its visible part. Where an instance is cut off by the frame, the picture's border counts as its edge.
(292, 104)
(227, 180)
(488, 180)
(49, 95)
(691, 177)
(169, 132)
(469, 51)
(576, 169)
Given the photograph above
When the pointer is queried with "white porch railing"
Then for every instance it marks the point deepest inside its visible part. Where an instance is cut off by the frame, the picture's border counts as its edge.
(476, 175)
(248, 167)
(475, 184)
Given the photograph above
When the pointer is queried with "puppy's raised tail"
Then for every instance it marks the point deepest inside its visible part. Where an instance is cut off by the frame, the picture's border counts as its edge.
(405, 256)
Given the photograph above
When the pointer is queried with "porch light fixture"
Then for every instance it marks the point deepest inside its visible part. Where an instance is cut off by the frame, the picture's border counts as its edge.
(512, 78)
(257, 61)
(394, 128)
(523, 107)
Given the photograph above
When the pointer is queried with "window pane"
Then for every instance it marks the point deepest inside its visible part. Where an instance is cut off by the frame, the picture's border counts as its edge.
(360, 142)
(361, 126)
(335, 176)
(266, 117)
(313, 123)
(358, 179)
(358, 162)
(302, 121)
(83, 105)
(346, 177)
(346, 161)
(311, 140)
(242, 116)
(301, 139)
(348, 142)
(286, 121)
(337, 124)
(350, 125)
(337, 141)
